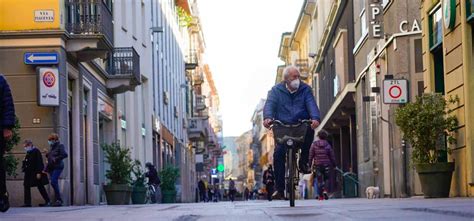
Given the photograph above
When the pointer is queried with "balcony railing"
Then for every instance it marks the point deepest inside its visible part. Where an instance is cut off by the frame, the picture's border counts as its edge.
(89, 17)
(197, 128)
(191, 60)
(123, 68)
(126, 62)
(200, 102)
(302, 64)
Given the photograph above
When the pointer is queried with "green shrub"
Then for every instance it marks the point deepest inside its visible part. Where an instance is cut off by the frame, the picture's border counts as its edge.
(120, 163)
(427, 124)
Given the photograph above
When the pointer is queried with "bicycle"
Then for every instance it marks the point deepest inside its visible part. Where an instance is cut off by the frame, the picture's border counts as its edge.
(152, 194)
(292, 136)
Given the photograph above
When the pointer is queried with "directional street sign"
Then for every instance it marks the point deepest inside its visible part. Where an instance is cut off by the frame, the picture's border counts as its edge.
(41, 58)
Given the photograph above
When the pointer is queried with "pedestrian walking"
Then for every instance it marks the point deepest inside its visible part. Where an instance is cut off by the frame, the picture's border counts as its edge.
(322, 157)
(202, 190)
(246, 193)
(232, 190)
(34, 176)
(269, 181)
(7, 122)
(56, 155)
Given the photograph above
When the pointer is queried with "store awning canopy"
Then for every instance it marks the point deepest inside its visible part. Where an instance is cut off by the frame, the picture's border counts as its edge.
(341, 109)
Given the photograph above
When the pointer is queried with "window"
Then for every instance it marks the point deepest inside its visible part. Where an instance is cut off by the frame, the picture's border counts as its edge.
(134, 19)
(124, 15)
(470, 10)
(436, 26)
(363, 23)
(418, 56)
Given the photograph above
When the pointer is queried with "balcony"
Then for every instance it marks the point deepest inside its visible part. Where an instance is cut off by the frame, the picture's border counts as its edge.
(89, 24)
(200, 102)
(197, 128)
(197, 78)
(191, 60)
(303, 66)
(124, 70)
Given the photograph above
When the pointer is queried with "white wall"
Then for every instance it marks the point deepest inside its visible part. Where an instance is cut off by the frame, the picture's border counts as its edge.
(132, 23)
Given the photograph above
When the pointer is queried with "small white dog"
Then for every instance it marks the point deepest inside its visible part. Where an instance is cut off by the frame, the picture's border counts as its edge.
(372, 192)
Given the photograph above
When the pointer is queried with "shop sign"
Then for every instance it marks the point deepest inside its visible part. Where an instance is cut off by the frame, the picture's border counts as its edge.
(48, 85)
(449, 13)
(375, 19)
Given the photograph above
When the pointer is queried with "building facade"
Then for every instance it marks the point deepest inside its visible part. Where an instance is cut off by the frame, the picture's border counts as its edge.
(392, 55)
(448, 66)
(85, 71)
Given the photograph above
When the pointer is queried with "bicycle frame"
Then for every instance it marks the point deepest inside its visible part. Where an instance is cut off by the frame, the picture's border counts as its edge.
(292, 137)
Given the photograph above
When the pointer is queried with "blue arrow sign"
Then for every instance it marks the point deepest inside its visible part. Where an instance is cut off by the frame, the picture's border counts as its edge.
(41, 58)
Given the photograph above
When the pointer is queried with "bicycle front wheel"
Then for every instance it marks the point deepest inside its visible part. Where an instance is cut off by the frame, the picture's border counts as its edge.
(291, 175)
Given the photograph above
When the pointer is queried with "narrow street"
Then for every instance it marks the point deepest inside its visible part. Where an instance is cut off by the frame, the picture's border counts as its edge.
(339, 209)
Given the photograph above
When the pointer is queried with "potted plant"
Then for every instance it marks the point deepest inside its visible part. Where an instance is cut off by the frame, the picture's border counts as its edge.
(118, 190)
(11, 162)
(427, 124)
(168, 177)
(138, 184)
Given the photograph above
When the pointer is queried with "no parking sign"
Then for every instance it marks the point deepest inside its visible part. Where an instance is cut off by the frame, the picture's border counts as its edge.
(395, 91)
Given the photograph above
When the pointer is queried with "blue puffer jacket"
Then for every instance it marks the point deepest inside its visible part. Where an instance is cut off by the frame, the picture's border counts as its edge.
(289, 108)
(7, 109)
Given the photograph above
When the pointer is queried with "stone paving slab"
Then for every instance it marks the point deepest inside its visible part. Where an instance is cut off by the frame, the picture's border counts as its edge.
(338, 209)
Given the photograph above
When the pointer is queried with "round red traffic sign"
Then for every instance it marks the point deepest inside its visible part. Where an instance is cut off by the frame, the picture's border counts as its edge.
(395, 91)
(49, 79)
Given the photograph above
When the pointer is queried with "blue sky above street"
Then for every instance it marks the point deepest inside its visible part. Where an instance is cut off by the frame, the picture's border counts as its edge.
(242, 40)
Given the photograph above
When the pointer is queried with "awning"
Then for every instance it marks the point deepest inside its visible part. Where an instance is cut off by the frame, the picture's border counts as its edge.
(343, 102)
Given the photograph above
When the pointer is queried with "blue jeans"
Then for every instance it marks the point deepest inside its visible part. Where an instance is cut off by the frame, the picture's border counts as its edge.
(279, 159)
(54, 182)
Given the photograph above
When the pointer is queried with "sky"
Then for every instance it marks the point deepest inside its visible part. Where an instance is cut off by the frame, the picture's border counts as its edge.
(242, 41)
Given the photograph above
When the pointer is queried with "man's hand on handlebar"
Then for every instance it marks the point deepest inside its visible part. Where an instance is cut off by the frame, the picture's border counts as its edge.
(267, 123)
(314, 124)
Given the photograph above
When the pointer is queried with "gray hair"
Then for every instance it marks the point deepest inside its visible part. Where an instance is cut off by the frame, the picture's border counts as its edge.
(28, 142)
(286, 71)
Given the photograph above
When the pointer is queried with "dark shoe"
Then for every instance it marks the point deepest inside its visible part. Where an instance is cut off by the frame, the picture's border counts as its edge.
(47, 204)
(278, 195)
(4, 203)
(58, 203)
(26, 205)
(325, 194)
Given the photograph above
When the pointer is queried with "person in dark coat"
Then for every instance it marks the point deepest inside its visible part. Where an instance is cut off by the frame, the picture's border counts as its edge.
(153, 179)
(289, 102)
(322, 157)
(202, 190)
(269, 181)
(33, 168)
(56, 155)
(7, 122)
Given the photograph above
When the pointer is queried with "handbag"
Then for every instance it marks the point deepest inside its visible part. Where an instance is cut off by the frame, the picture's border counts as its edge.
(44, 179)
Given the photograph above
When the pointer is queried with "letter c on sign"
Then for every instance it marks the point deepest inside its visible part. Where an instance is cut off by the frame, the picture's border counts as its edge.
(402, 26)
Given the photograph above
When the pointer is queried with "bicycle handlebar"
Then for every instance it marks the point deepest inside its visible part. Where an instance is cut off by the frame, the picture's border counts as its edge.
(306, 121)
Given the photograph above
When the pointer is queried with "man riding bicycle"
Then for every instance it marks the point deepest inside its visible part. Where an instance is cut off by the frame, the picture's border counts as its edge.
(290, 102)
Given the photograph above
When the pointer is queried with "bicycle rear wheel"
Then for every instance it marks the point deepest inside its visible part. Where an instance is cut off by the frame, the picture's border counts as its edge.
(291, 176)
